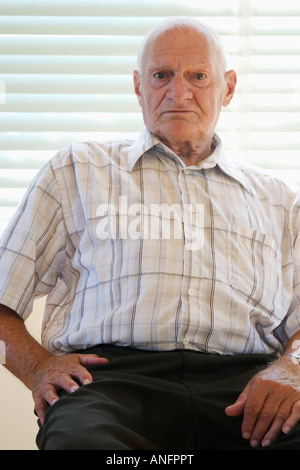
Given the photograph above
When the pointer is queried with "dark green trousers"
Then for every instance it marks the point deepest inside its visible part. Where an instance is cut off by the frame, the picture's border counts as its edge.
(156, 401)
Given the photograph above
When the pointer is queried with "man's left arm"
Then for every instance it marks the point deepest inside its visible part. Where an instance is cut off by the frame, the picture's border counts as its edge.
(270, 402)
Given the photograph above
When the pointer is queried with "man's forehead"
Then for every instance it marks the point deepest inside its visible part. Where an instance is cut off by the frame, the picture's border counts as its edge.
(181, 37)
(161, 51)
(180, 42)
(168, 63)
(177, 58)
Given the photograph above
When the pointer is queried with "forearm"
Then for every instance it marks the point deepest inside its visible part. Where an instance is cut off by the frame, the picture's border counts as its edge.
(22, 352)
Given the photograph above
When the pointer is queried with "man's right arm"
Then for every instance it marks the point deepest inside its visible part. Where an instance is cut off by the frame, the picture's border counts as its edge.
(42, 372)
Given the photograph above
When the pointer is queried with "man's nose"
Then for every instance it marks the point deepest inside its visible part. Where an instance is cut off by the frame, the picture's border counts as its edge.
(179, 89)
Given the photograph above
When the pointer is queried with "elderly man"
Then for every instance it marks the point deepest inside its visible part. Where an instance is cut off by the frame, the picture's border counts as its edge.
(171, 274)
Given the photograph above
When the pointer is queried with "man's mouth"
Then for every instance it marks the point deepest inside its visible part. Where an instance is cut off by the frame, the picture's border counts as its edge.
(179, 111)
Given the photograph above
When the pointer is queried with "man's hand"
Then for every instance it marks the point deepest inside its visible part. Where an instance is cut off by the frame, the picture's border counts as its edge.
(270, 402)
(66, 372)
(43, 373)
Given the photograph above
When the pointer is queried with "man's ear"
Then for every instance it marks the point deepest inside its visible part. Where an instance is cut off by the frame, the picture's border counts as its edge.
(231, 79)
(137, 86)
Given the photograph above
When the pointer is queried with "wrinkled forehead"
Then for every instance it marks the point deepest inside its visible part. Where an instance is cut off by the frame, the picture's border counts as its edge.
(186, 44)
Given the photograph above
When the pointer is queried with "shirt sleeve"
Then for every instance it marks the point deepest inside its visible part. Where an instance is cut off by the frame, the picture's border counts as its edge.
(291, 282)
(32, 247)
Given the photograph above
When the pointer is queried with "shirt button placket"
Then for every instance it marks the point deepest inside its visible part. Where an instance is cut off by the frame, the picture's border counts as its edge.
(190, 249)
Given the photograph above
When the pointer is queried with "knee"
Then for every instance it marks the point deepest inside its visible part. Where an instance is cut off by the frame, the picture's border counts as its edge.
(103, 437)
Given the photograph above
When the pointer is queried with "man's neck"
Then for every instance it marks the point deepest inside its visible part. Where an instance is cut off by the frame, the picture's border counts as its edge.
(191, 153)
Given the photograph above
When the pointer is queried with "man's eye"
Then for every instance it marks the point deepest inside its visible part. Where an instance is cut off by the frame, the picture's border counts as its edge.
(160, 75)
(200, 76)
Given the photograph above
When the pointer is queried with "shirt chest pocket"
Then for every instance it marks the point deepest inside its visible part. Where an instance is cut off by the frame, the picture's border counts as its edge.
(254, 267)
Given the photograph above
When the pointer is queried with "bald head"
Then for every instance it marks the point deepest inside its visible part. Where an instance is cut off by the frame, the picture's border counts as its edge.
(181, 24)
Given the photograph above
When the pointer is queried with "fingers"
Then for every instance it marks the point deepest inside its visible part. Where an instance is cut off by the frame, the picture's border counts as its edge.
(270, 423)
(255, 418)
(270, 404)
(46, 394)
(263, 421)
(43, 400)
(276, 426)
(66, 373)
(91, 359)
(266, 417)
(81, 373)
(293, 419)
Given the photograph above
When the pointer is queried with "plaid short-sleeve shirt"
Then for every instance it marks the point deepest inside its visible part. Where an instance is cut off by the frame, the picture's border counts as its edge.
(134, 248)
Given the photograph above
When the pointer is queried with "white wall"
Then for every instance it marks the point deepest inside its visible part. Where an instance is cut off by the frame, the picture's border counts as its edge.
(18, 423)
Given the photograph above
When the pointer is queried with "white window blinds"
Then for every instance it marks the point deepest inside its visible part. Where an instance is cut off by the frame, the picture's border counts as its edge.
(66, 75)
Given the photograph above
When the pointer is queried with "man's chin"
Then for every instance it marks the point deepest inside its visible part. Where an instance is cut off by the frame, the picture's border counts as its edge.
(179, 132)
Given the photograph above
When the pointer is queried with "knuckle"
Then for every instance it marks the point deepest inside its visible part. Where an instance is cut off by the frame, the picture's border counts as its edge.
(282, 415)
(266, 416)
(252, 409)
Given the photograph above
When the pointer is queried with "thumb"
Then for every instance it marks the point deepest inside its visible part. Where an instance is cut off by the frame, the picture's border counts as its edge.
(237, 408)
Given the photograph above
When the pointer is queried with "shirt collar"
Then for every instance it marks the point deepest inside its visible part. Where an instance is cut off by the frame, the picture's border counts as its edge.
(147, 141)
(141, 145)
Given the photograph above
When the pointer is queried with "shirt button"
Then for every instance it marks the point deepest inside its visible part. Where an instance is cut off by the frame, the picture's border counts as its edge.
(191, 292)
(191, 208)
(186, 341)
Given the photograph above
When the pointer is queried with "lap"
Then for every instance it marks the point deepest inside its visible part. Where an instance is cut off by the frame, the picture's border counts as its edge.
(143, 400)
